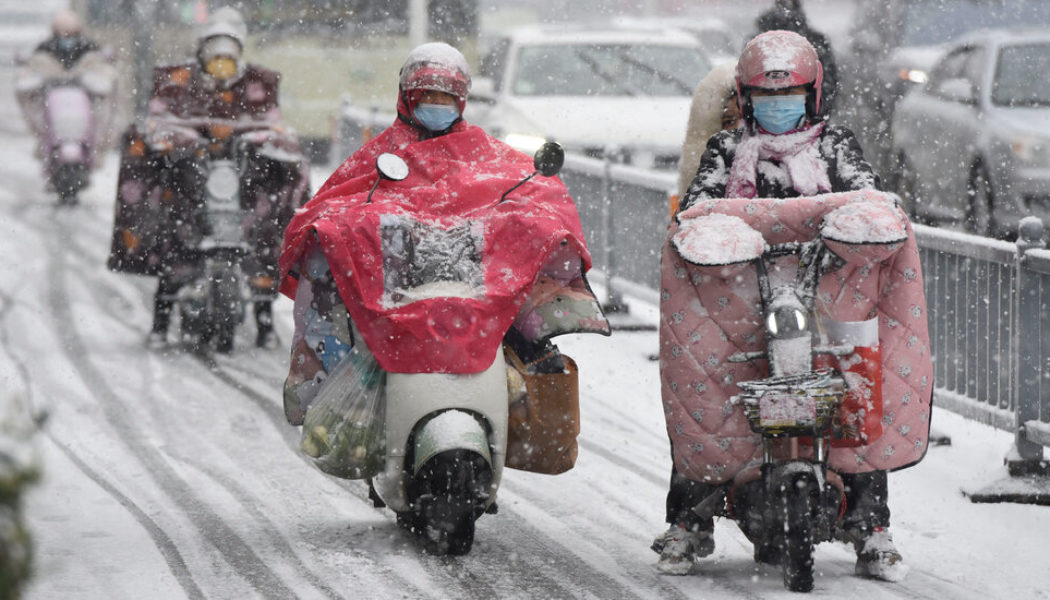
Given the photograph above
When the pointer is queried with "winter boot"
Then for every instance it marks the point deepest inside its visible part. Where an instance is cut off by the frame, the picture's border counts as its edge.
(158, 335)
(877, 557)
(680, 548)
(266, 336)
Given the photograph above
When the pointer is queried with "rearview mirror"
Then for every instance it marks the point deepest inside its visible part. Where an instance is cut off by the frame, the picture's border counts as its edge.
(390, 167)
(549, 159)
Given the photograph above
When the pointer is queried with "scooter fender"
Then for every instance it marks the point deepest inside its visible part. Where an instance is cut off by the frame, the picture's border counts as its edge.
(450, 430)
(414, 398)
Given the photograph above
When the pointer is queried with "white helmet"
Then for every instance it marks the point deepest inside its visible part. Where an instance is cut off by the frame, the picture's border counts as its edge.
(227, 22)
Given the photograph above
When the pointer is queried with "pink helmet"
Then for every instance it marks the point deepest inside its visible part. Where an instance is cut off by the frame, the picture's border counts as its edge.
(779, 59)
(436, 66)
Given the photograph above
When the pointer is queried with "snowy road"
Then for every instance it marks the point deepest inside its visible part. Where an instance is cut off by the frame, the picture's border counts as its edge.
(172, 476)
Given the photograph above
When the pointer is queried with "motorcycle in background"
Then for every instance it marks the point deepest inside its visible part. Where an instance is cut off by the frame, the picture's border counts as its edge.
(70, 112)
(203, 202)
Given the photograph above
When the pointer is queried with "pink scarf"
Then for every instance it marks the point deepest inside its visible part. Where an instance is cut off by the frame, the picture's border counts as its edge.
(797, 151)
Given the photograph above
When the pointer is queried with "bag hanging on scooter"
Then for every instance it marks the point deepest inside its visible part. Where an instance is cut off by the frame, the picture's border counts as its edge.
(544, 423)
(344, 428)
(859, 420)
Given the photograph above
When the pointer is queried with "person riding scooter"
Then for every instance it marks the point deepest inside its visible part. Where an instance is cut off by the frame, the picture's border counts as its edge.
(786, 149)
(434, 254)
(67, 89)
(432, 93)
(219, 93)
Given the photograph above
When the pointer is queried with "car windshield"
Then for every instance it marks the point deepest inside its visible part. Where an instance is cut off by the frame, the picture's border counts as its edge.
(1014, 84)
(609, 70)
(935, 22)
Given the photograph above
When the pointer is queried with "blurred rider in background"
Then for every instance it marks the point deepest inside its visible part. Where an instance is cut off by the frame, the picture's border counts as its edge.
(218, 85)
(68, 55)
(67, 42)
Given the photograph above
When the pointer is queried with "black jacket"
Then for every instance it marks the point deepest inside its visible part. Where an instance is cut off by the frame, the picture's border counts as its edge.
(67, 53)
(847, 169)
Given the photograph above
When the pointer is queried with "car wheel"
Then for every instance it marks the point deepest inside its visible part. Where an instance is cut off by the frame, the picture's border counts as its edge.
(979, 216)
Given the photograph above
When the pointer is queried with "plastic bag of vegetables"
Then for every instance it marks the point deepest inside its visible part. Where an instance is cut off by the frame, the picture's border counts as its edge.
(343, 430)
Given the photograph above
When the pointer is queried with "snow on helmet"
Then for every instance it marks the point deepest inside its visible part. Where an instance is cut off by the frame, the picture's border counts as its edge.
(436, 66)
(779, 59)
(219, 44)
(227, 21)
(66, 23)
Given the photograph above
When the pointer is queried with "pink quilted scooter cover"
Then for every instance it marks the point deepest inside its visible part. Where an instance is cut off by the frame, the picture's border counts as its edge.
(708, 314)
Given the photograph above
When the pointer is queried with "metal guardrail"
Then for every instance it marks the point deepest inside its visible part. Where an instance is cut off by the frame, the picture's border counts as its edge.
(988, 301)
(990, 331)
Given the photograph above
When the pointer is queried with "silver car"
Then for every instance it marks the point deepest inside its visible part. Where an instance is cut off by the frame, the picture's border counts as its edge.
(612, 91)
(972, 144)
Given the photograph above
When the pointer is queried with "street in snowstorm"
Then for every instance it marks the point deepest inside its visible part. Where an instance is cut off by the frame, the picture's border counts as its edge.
(171, 475)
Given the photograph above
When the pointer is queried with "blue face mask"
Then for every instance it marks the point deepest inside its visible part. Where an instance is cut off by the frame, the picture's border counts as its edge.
(779, 114)
(436, 117)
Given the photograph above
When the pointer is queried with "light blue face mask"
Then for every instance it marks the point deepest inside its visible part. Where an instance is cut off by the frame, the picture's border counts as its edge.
(779, 114)
(436, 117)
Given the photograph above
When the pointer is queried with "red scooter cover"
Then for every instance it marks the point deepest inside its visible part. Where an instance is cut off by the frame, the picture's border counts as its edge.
(455, 183)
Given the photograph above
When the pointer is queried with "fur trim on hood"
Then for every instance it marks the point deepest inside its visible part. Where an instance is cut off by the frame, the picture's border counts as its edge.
(705, 120)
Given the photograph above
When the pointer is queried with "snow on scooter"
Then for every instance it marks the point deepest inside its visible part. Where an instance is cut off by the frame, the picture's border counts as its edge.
(823, 361)
(426, 399)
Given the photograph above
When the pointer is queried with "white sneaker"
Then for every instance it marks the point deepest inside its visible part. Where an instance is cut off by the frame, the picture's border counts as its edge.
(878, 558)
(680, 548)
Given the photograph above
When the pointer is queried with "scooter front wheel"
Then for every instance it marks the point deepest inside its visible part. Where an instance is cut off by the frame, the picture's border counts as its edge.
(451, 484)
(796, 559)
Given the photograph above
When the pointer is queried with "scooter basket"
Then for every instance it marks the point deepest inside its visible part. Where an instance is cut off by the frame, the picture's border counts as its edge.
(793, 405)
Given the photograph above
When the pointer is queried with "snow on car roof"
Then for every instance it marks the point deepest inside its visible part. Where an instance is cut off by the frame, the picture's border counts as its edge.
(565, 34)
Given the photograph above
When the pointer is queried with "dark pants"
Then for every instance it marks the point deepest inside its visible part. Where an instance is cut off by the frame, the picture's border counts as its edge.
(163, 304)
(866, 496)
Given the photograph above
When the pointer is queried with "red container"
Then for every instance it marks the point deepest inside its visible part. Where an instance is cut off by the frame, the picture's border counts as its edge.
(859, 420)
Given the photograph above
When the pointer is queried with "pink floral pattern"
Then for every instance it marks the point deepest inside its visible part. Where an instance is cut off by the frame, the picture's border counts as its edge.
(707, 316)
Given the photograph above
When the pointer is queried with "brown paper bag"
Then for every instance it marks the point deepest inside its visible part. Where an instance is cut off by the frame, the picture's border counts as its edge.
(543, 424)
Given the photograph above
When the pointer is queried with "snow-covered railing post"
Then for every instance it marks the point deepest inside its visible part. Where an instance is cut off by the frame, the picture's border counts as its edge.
(613, 300)
(1030, 328)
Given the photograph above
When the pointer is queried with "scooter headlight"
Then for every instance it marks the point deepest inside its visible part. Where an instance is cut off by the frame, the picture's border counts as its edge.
(223, 183)
(785, 321)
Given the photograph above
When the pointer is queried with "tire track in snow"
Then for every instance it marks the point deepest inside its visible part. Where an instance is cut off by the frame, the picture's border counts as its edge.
(529, 541)
(276, 416)
(479, 590)
(273, 412)
(165, 545)
(237, 553)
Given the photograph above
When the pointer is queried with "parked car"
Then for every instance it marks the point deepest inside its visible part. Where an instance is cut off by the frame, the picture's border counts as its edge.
(620, 92)
(893, 44)
(973, 143)
(718, 39)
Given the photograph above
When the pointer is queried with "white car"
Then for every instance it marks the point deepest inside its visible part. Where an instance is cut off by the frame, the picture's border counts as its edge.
(618, 92)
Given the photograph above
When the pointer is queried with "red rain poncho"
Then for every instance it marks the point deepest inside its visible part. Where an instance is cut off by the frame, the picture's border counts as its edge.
(454, 179)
